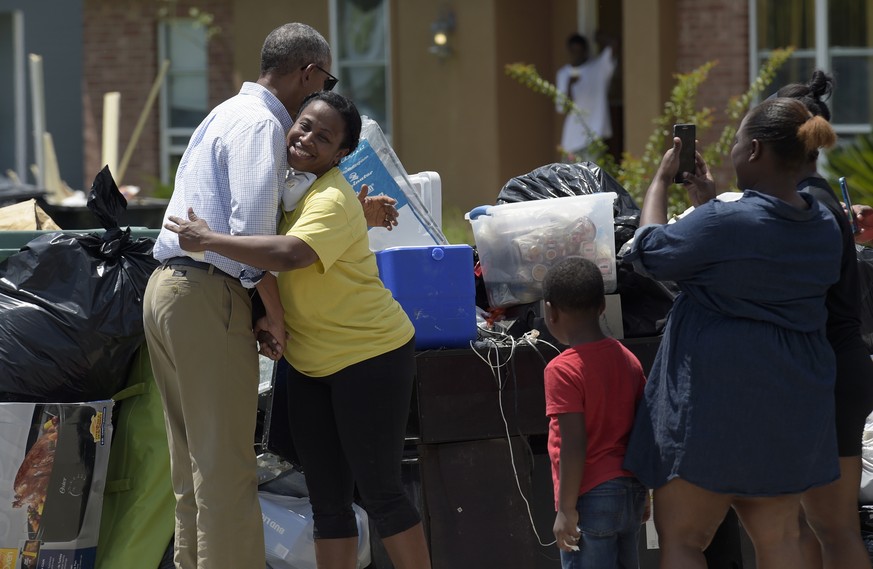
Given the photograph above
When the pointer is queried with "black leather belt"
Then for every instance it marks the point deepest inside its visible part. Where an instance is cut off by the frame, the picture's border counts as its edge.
(189, 262)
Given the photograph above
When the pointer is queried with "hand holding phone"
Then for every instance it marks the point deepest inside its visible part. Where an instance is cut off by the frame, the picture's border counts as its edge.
(687, 133)
(844, 187)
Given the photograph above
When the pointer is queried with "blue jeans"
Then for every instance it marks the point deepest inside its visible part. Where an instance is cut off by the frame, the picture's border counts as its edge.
(610, 515)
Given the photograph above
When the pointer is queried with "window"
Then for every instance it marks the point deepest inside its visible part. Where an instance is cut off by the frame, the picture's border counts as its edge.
(360, 32)
(833, 35)
(184, 93)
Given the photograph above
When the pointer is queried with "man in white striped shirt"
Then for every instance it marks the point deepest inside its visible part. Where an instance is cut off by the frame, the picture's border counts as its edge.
(197, 310)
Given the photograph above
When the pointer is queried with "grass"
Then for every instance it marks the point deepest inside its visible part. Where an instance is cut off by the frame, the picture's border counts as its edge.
(457, 230)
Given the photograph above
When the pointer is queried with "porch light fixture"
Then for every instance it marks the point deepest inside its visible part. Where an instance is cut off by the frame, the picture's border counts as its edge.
(441, 31)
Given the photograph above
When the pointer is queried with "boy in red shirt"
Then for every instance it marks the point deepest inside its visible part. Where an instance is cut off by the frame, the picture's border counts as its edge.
(592, 391)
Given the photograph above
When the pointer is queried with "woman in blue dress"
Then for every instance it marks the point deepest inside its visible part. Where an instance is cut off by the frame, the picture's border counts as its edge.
(738, 411)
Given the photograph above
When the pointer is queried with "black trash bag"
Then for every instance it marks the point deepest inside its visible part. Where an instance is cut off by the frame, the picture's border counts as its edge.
(865, 278)
(105, 201)
(560, 180)
(645, 302)
(71, 308)
(582, 178)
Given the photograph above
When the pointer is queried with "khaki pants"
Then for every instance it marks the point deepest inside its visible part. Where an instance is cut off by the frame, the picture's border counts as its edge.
(203, 355)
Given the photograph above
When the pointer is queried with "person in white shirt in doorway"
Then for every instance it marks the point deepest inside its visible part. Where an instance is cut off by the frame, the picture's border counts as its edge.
(585, 81)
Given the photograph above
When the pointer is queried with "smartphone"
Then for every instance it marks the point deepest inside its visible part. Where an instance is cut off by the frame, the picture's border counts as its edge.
(687, 134)
(844, 187)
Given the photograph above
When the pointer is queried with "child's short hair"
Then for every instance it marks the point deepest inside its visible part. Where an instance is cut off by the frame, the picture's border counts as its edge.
(573, 284)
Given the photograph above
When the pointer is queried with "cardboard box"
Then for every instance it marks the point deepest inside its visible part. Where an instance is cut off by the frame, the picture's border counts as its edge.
(53, 461)
(518, 242)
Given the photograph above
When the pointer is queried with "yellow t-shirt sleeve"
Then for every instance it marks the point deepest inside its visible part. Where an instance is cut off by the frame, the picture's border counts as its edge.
(325, 224)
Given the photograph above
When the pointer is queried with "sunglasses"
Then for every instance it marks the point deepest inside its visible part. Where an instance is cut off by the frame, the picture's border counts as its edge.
(330, 82)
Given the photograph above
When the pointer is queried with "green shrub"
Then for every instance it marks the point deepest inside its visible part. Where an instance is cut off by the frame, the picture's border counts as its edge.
(636, 172)
(854, 161)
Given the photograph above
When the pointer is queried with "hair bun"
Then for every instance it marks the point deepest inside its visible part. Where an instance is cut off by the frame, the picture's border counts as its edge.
(817, 133)
(820, 85)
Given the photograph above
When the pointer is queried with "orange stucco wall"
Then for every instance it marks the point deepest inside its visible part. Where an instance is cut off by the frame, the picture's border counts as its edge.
(445, 110)
(256, 19)
(462, 116)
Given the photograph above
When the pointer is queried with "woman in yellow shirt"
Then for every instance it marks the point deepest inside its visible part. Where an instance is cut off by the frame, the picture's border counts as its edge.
(350, 345)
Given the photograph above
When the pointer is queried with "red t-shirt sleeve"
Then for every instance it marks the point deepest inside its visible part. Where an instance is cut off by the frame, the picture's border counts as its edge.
(565, 390)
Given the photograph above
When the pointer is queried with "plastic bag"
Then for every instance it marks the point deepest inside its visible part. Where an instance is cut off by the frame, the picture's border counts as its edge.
(138, 502)
(645, 302)
(582, 178)
(71, 306)
(374, 163)
(865, 495)
(288, 532)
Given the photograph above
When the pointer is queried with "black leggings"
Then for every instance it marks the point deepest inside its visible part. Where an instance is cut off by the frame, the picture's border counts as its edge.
(853, 396)
(348, 428)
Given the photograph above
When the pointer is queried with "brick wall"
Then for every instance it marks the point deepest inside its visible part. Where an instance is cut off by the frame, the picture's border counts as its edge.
(121, 54)
(715, 30)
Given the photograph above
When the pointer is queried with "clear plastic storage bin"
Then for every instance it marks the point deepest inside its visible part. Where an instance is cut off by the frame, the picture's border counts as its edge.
(518, 242)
